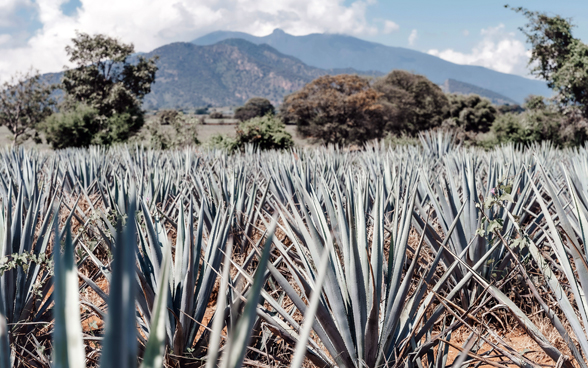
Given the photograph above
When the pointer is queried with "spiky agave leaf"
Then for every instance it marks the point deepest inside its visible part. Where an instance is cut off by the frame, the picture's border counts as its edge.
(120, 339)
(68, 343)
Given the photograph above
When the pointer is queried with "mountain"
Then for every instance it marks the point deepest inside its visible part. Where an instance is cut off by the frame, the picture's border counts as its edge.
(227, 73)
(455, 86)
(332, 51)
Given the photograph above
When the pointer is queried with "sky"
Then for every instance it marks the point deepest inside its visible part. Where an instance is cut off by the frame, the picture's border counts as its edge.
(34, 33)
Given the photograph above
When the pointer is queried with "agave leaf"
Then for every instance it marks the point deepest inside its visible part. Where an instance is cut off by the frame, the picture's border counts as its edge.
(155, 348)
(4, 340)
(68, 344)
(219, 314)
(301, 345)
(239, 337)
(120, 340)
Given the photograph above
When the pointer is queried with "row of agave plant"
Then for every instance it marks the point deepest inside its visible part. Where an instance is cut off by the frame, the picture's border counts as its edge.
(319, 257)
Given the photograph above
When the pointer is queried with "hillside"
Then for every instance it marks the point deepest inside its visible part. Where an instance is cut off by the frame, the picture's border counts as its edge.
(227, 73)
(454, 86)
(329, 51)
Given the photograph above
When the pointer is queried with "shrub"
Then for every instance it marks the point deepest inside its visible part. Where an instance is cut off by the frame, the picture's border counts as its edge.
(541, 122)
(221, 141)
(267, 132)
(254, 107)
(216, 115)
(182, 132)
(71, 128)
(80, 126)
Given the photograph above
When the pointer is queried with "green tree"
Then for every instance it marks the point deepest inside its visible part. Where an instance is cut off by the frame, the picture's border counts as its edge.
(411, 102)
(341, 109)
(265, 132)
(110, 80)
(254, 107)
(25, 101)
(558, 58)
(471, 113)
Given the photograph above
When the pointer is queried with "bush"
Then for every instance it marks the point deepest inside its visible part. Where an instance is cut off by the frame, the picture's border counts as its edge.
(267, 132)
(541, 122)
(221, 141)
(80, 126)
(182, 132)
(72, 128)
(216, 115)
(254, 107)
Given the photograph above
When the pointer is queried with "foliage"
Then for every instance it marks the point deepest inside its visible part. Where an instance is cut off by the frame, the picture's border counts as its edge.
(340, 109)
(81, 126)
(183, 132)
(167, 117)
(471, 113)
(254, 107)
(558, 57)
(540, 122)
(221, 141)
(24, 102)
(267, 132)
(411, 103)
(216, 115)
(108, 79)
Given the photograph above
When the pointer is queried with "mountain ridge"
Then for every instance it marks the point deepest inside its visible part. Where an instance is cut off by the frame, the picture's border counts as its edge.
(331, 51)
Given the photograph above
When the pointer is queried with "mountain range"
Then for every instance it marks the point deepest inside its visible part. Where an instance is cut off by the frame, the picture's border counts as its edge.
(228, 68)
(332, 51)
(227, 73)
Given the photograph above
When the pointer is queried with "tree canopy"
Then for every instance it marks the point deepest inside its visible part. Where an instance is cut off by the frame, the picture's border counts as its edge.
(108, 79)
(558, 57)
(25, 101)
(411, 102)
(254, 107)
(471, 112)
(341, 109)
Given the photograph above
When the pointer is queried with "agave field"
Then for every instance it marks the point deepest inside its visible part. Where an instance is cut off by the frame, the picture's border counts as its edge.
(129, 257)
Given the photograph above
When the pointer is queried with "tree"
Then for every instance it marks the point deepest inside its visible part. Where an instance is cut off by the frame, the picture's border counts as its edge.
(24, 102)
(558, 58)
(411, 102)
(341, 109)
(110, 80)
(254, 107)
(471, 112)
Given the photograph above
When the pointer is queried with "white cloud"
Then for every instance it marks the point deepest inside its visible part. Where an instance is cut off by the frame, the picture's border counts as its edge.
(413, 37)
(498, 50)
(466, 32)
(390, 26)
(152, 23)
(7, 10)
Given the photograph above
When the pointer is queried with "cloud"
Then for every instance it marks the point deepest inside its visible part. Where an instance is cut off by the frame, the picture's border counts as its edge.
(466, 32)
(413, 37)
(153, 23)
(498, 50)
(390, 26)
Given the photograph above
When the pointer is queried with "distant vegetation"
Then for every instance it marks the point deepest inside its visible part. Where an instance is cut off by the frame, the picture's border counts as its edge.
(253, 108)
(103, 97)
(103, 94)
